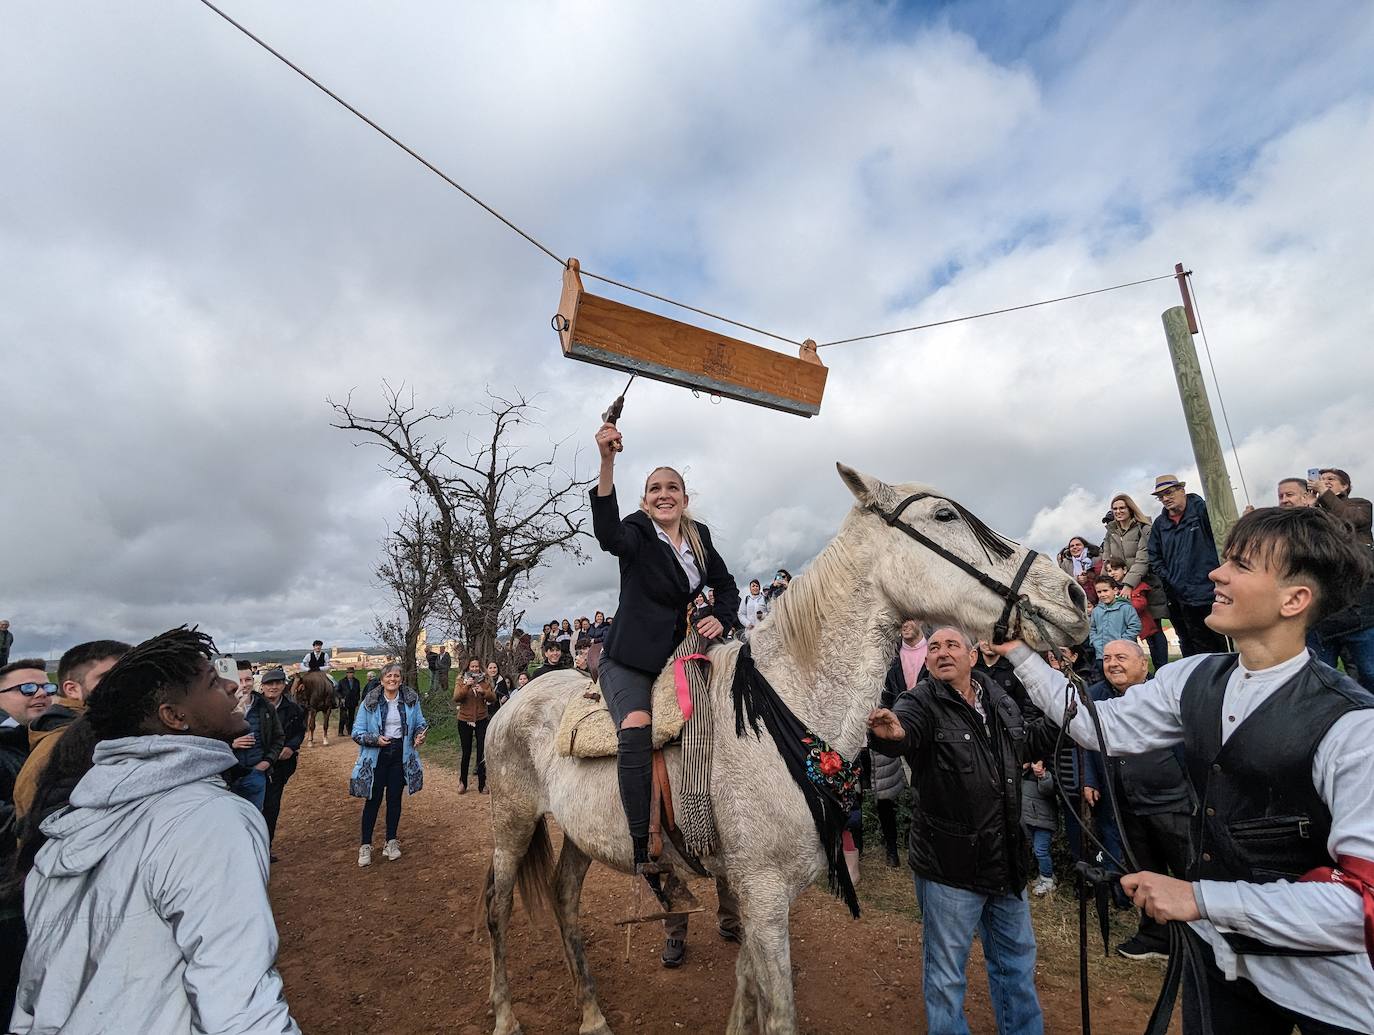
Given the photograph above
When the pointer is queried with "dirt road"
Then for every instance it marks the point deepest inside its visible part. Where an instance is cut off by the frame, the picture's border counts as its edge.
(391, 948)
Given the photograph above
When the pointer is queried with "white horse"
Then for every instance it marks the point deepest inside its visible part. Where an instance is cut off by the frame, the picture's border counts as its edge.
(825, 648)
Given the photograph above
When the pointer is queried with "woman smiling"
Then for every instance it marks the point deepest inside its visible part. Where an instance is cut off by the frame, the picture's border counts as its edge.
(665, 559)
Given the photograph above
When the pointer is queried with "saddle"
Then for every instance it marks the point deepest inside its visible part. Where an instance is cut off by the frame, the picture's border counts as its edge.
(587, 730)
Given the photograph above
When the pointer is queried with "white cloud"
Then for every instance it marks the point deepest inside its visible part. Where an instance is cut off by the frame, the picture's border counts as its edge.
(197, 249)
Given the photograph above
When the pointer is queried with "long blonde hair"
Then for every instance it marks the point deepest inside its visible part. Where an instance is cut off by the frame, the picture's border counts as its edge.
(687, 525)
(1136, 515)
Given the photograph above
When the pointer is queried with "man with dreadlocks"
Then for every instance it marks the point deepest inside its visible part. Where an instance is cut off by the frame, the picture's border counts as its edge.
(147, 901)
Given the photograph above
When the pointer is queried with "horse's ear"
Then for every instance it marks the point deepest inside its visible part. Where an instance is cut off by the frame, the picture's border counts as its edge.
(866, 489)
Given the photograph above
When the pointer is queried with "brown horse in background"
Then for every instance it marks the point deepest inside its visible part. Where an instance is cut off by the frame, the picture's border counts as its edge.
(314, 691)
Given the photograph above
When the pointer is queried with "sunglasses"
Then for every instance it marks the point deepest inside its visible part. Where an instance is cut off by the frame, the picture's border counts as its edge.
(29, 689)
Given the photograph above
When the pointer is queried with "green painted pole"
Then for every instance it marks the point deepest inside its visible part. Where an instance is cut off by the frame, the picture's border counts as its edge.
(1202, 430)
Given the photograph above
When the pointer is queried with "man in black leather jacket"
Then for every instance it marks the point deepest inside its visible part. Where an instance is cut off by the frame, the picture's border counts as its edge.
(966, 740)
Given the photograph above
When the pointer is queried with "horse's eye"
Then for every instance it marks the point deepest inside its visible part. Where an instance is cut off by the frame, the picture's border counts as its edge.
(946, 514)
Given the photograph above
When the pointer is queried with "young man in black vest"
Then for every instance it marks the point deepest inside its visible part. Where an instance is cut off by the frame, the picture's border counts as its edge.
(317, 660)
(1279, 748)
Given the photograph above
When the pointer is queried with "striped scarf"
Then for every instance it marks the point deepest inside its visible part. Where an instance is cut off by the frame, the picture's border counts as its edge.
(695, 817)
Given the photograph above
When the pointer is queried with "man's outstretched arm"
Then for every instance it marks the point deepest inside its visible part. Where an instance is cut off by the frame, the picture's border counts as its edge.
(1145, 718)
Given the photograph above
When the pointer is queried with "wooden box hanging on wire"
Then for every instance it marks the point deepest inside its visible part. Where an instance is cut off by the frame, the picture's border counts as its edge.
(611, 334)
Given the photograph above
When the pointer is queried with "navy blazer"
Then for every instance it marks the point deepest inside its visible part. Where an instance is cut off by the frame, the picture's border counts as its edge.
(651, 618)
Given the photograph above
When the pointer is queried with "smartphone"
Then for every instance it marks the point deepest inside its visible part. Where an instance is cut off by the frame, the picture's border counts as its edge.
(227, 668)
(1314, 474)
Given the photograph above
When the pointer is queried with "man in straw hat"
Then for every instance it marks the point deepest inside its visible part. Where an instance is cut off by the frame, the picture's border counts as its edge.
(1182, 553)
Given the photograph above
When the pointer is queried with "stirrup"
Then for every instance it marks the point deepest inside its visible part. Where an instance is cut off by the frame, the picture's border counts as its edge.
(666, 895)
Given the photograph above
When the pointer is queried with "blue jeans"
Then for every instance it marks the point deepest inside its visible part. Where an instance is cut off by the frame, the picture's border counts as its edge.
(1356, 648)
(1003, 924)
(1040, 843)
(252, 785)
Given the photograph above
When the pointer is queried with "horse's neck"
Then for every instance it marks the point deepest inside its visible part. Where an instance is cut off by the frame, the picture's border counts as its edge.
(854, 636)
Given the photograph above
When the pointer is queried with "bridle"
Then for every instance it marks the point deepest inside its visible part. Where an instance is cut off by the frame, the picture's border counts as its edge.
(1016, 605)
(1183, 953)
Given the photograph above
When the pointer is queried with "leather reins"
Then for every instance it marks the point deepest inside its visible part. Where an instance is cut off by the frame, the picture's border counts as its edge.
(1017, 607)
(1015, 602)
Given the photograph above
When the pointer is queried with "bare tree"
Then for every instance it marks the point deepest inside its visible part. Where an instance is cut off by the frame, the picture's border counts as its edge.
(498, 515)
(410, 569)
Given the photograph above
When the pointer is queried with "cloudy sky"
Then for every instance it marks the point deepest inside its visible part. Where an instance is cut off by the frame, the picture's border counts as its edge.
(197, 249)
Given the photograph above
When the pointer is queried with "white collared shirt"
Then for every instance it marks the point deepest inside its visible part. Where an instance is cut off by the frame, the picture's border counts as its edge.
(684, 557)
(1321, 916)
(391, 717)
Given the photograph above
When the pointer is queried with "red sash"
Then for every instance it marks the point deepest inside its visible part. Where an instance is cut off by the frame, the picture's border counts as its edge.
(684, 692)
(1358, 875)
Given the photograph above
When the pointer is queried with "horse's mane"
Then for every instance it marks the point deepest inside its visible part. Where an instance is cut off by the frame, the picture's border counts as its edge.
(799, 614)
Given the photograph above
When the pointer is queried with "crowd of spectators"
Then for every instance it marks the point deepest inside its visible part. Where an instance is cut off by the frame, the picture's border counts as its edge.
(1147, 571)
(1143, 573)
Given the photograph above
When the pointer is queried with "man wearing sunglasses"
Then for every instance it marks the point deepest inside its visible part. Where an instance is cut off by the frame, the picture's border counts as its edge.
(25, 694)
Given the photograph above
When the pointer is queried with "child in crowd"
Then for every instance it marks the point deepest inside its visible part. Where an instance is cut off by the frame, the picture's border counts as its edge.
(1150, 632)
(1112, 619)
(1040, 818)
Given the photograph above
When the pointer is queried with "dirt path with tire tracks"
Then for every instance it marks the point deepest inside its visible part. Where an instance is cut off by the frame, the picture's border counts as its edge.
(391, 948)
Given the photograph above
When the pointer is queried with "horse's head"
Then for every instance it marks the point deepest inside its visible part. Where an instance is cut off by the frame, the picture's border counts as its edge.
(933, 560)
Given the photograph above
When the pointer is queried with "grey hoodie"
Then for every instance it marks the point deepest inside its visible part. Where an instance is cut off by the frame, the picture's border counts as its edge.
(147, 909)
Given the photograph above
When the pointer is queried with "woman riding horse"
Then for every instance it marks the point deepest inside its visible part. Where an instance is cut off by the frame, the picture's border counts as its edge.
(665, 559)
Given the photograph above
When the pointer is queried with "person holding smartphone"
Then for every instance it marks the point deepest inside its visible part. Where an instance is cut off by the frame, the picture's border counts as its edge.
(389, 730)
(474, 697)
(665, 559)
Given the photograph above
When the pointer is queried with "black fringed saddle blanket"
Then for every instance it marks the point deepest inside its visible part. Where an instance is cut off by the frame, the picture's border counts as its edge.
(829, 784)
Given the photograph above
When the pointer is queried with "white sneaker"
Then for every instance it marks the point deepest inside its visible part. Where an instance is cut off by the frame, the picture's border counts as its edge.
(392, 850)
(365, 855)
(1043, 886)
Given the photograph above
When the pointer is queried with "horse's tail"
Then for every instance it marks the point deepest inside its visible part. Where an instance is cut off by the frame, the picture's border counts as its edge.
(535, 875)
(534, 878)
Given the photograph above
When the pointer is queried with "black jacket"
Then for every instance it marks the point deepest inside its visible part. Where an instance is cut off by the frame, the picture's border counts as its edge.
(501, 688)
(1148, 784)
(292, 718)
(1261, 817)
(14, 751)
(1003, 673)
(966, 784)
(651, 619)
(266, 727)
(1182, 553)
(350, 692)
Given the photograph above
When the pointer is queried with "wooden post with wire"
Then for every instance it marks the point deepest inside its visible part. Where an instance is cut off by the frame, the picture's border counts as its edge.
(1179, 326)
